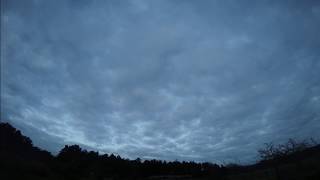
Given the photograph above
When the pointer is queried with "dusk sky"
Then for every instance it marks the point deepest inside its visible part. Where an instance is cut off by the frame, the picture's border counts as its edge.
(200, 80)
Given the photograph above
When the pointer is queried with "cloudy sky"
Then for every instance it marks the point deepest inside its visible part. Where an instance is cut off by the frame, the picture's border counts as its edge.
(166, 79)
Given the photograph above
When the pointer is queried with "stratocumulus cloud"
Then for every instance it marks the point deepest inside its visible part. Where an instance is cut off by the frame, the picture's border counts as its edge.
(186, 80)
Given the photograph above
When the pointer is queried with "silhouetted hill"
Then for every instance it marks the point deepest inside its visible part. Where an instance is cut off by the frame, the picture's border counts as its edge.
(21, 160)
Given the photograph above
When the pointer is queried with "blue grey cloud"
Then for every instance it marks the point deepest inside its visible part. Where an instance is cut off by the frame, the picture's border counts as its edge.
(186, 80)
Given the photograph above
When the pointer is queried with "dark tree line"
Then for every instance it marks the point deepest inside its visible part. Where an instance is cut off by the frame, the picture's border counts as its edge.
(92, 164)
(281, 151)
(20, 159)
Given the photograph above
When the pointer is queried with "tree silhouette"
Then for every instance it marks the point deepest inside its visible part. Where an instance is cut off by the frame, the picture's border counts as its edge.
(272, 152)
(19, 159)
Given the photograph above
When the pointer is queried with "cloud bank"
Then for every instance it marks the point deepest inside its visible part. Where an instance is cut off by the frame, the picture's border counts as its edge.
(186, 80)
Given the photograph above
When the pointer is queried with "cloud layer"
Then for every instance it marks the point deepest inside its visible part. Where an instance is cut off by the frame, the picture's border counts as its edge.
(186, 80)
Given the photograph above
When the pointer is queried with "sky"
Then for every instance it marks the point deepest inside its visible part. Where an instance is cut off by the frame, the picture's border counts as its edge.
(166, 79)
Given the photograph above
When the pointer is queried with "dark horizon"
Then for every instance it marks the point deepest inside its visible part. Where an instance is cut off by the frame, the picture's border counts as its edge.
(172, 80)
(9, 133)
(20, 159)
(309, 142)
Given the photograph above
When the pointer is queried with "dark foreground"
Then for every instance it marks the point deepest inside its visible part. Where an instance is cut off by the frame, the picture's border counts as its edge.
(19, 159)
